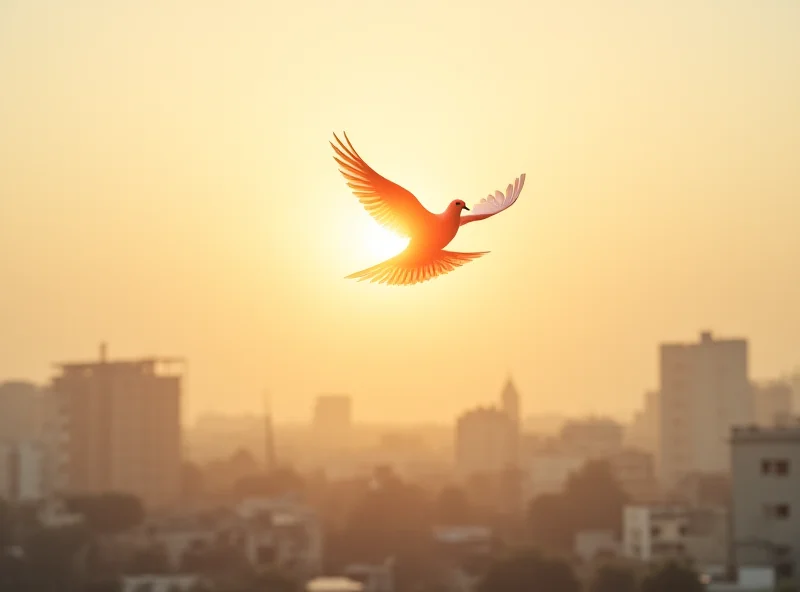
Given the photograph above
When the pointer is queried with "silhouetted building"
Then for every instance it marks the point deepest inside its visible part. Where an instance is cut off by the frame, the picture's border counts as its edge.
(592, 438)
(705, 391)
(20, 411)
(643, 433)
(486, 441)
(510, 402)
(548, 471)
(122, 427)
(333, 420)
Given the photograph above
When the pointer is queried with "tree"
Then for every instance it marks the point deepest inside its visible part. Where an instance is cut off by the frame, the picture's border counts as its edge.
(592, 500)
(672, 576)
(595, 498)
(151, 560)
(274, 580)
(282, 481)
(51, 554)
(392, 519)
(613, 578)
(529, 571)
(453, 507)
(550, 522)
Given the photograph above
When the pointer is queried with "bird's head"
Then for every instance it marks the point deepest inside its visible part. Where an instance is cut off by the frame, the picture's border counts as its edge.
(457, 205)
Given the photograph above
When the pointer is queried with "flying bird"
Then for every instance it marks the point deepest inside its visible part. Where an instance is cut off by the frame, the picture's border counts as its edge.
(398, 210)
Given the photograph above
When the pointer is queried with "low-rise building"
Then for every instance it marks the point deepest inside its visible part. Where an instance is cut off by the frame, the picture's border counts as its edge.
(765, 491)
(660, 533)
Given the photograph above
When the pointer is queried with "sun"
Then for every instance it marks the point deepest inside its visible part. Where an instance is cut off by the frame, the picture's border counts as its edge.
(382, 243)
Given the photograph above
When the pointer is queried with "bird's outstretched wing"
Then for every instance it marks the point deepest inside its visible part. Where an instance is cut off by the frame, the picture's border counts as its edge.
(391, 205)
(411, 267)
(494, 204)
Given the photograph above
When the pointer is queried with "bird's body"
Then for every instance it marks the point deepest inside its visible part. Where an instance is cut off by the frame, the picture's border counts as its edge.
(396, 208)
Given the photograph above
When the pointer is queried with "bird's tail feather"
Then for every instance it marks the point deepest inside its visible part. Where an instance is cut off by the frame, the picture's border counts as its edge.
(407, 269)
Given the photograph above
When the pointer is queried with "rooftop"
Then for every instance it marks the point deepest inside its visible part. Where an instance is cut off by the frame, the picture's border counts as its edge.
(756, 434)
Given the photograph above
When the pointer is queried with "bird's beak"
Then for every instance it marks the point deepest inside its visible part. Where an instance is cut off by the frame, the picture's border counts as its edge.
(466, 208)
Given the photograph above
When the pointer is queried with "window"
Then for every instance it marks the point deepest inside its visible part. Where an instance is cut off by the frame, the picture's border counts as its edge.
(777, 511)
(775, 466)
(782, 550)
(784, 570)
(655, 531)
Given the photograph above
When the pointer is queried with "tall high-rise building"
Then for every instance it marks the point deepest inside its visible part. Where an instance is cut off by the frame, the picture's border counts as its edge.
(122, 423)
(705, 391)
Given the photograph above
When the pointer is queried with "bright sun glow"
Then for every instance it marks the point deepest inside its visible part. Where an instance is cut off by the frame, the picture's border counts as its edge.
(382, 243)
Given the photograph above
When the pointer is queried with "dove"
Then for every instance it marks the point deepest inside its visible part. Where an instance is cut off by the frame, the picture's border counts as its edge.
(401, 212)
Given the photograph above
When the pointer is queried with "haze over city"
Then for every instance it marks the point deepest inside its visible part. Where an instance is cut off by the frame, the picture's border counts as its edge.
(167, 187)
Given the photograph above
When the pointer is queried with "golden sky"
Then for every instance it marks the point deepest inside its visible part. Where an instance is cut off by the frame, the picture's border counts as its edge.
(166, 184)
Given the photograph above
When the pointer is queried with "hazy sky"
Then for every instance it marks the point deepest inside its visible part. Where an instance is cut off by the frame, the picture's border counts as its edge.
(166, 184)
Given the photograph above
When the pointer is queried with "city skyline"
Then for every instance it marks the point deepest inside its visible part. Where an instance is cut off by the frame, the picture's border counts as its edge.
(162, 191)
(301, 415)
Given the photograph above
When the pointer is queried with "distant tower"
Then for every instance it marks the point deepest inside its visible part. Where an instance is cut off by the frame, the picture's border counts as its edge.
(270, 461)
(510, 401)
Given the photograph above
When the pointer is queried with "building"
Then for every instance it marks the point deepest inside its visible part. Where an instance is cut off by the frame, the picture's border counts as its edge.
(122, 427)
(643, 431)
(766, 510)
(511, 406)
(772, 402)
(635, 471)
(705, 391)
(20, 411)
(592, 438)
(655, 533)
(333, 420)
(22, 474)
(594, 544)
(486, 441)
(510, 402)
(548, 472)
(30, 432)
(266, 532)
